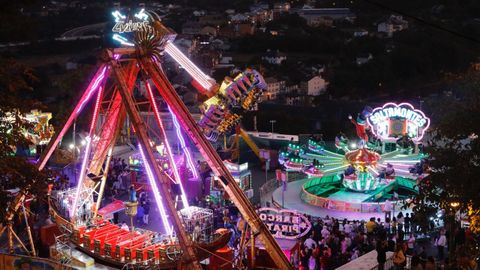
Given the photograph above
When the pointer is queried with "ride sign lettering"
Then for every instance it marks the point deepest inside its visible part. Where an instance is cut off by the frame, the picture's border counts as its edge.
(392, 120)
(284, 223)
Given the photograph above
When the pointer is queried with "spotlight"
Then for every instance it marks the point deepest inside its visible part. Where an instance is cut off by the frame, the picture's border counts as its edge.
(353, 145)
(83, 142)
(71, 146)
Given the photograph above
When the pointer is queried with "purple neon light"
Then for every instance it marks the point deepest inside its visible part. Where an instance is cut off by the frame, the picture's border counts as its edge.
(167, 145)
(82, 174)
(422, 133)
(87, 149)
(156, 193)
(92, 89)
(190, 163)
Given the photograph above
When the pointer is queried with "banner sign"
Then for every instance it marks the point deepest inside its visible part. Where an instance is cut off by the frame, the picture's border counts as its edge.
(284, 223)
(391, 121)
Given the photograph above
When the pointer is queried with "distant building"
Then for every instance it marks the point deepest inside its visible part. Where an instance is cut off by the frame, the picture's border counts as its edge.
(225, 62)
(244, 29)
(227, 31)
(363, 59)
(281, 7)
(261, 16)
(322, 16)
(191, 28)
(209, 31)
(238, 18)
(360, 33)
(274, 57)
(274, 88)
(198, 13)
(294, 100)
(313, 86)
(393, 24)
(206, 58)
(213, 19)
(291, 89)
(258, 6)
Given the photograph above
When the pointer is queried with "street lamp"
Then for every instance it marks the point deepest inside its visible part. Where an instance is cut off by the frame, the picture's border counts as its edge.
(272, 122)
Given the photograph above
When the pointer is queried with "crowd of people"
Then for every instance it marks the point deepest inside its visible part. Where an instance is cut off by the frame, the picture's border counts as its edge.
(332, 243)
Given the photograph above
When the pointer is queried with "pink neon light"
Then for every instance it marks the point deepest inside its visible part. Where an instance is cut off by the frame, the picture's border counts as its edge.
(85, 97)
(82, 175)
(156, 193)
(397, 169)
(87, 151)
(422, 132)
(169, 149)
(190, 163)
(92, 89)
(96, 110)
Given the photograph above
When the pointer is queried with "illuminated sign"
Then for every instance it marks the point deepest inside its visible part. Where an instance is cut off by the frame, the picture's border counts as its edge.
(284, 223)
(130, 26)
(392, 121)
(127, 24)
(233, 167)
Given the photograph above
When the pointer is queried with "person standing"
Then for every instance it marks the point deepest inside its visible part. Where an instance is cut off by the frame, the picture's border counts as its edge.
(441, 243)
(407, 223)
(411, 244)
(125, 226)
(197, 232)
(146, 211)
(381, 253)
(399, 259)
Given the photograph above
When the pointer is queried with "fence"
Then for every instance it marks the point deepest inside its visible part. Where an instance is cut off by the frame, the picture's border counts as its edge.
(271, 185)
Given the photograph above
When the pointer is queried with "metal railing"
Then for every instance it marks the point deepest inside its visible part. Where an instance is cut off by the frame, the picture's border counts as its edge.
(271, 185)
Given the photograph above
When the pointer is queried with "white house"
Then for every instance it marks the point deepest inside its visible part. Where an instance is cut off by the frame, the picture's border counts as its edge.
(314, 86)
(393, 24)
(274, 88)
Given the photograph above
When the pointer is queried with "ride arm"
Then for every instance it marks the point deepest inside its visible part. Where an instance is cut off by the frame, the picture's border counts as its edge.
(215, 162)
(250, 142)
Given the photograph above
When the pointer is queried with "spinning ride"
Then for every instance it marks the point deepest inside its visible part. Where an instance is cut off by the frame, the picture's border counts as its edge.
(362, 179)
(139, 63)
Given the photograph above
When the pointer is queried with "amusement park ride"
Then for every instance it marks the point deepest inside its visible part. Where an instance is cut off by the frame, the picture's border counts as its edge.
(138, 62)
(364, 177)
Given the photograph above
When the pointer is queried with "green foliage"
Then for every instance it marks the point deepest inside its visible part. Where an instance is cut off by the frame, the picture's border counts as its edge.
(454, 149)
(16, 172)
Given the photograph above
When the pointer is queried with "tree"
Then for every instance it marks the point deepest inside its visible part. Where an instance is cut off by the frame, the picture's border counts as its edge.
(454, 153)
(16, 171)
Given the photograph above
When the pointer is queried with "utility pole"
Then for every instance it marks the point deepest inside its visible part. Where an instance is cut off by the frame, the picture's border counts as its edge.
(272, 122)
